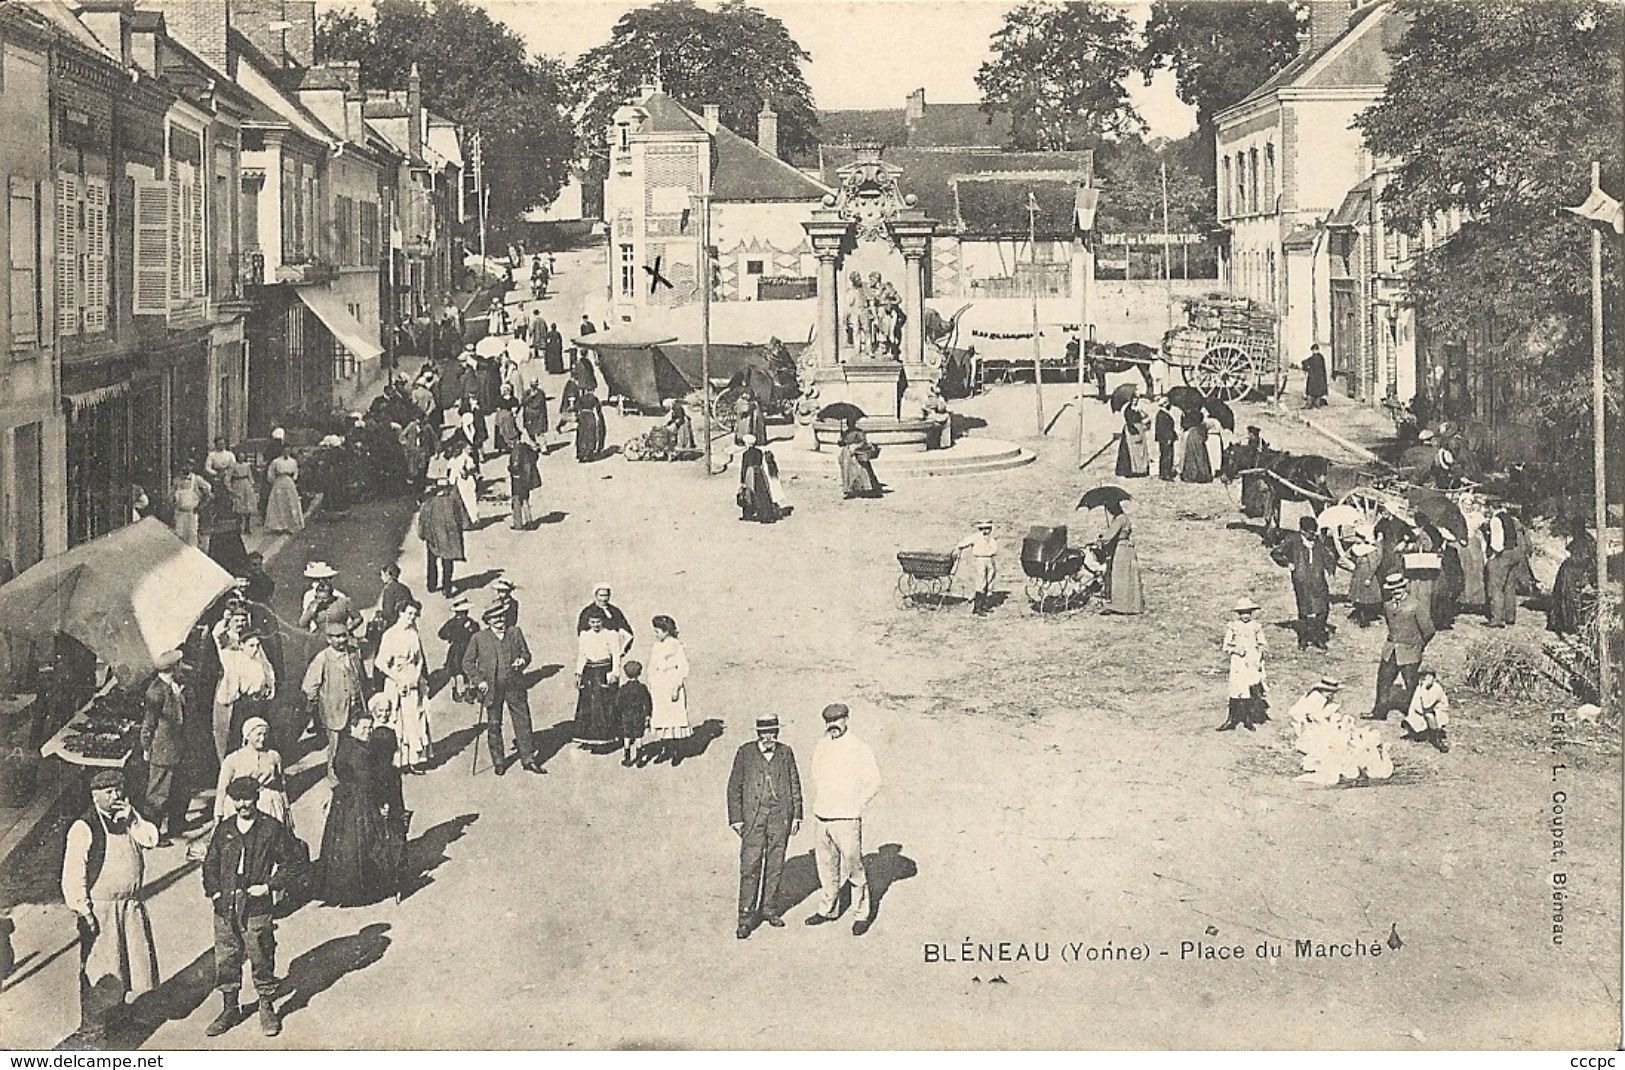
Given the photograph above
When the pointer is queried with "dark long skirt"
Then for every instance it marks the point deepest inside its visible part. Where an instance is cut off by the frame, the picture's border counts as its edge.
(596, 721)
(589, 434)
(361, 854)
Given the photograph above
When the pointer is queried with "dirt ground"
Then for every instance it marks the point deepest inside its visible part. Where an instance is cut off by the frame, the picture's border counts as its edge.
(1050, 782)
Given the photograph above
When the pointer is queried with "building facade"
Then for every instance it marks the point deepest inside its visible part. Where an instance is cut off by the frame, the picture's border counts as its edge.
(1288, 154)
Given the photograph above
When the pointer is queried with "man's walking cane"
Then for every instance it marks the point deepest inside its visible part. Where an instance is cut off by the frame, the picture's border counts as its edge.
(482, 723)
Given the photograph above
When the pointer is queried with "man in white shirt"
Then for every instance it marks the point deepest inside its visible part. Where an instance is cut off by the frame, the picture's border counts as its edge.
(845, 778)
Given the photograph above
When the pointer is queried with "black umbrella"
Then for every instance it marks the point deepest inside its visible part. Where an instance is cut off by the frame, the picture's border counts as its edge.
(1185, 397)
(841, 410)
(1439, 510)
(1220, 412)
(1103, 495)
(1123, 395)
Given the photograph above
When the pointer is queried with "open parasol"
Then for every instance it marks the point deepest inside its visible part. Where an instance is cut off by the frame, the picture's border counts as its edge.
(1103, 495)
(1220, 412)
(841, 410)
(1123, 395)
(128, 596)
(1185, 397)
(1439, 510)
(1340, 518)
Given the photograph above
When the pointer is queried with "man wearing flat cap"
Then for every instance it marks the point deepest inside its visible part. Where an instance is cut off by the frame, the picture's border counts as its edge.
(495, 665)
(1410, 629)
(335, 685)
(250, 856)
(102, 883)
(845, 779)
(764, 808)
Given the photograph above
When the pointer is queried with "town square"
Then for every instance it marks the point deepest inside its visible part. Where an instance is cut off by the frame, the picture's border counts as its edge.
(526, 528)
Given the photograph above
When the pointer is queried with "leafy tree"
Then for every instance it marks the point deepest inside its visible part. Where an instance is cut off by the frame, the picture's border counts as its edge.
(1496, 110)
(1058, 69)
(734, 57)
(1219, 52)
(477, 72)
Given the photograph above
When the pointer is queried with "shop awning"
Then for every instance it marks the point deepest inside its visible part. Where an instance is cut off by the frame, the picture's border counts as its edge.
(336, 318)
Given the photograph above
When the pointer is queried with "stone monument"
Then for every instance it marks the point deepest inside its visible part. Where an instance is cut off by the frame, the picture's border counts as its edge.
(871, 242)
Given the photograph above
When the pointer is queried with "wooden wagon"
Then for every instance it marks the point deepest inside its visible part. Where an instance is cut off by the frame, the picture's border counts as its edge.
(1226, 348)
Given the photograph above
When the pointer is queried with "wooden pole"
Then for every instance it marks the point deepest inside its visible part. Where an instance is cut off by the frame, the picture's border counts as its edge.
(705, 319)
(1032, 288)
(1086, 285)
(1599, 446)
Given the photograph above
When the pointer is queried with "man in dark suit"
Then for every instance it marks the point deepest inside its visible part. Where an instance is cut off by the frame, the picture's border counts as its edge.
(764, 808)
(495, 664)
(1410, 629)
(163, 742)
(1311, 562)
(1166, 435)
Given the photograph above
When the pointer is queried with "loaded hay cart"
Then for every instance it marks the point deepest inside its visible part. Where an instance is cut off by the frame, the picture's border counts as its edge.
(1226, 349)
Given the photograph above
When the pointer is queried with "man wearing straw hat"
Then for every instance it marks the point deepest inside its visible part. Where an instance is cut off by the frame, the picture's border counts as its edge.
(495, 665)
(335, 685)
(323, 602)
(102, 883)
(764, 809)
(982, 551)
(1410, 629)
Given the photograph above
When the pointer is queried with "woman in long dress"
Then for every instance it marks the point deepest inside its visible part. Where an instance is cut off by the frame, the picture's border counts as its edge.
(1244, 643)
(1124, 592)
(1132, 459)
(465, 476)
(1216, 443)
(188, 495)
(256, 759)
(283, 511)
(856, 457)
(1198, 468)
(598, 672)
(589, 428)
(668, 688)
(244, 494)
(680, 426)
(506, 422)
(534, 409)
(361, 850)
(405, 671)
(755, 496)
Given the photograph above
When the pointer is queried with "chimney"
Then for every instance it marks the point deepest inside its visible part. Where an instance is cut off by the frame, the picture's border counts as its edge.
(713, 116)
(109, 22)
(767, 129)
(301, 39)
(354, 128)
(1327, 19)
(414, 113)
(914, 109)
(200, 25)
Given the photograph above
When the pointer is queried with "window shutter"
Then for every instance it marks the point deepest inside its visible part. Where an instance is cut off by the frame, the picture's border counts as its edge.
(23, 262)
(176, 237)
(152, 248)
(67, 254)
(196, 219)
(95, 255)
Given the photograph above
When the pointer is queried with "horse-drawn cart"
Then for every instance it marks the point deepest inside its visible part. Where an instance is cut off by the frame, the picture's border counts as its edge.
(1226, 349)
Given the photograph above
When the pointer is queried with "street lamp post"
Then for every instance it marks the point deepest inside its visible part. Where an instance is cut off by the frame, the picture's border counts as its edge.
(1032, 289)
(703, 267)
(1085, 206)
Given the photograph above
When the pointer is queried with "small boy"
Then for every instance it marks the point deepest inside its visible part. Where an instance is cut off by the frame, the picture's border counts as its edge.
(633, 707)
(457, 632)
(1429, 714)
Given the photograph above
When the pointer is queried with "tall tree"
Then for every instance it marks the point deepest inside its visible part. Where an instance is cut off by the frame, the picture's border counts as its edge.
(1219, 52)
(1495, 109)
(477, 72)
(735, 57)
(1058, 68)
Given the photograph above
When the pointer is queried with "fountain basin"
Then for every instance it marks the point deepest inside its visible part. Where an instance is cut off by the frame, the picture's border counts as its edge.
(889, 433)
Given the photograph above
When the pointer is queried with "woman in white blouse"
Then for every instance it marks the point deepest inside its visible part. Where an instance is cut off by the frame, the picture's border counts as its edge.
(598, 675)
(668, 688)
(401, 661)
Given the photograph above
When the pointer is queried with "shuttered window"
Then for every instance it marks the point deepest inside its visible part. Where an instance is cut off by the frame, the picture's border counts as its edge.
(152, 248)
(195, 218)
(23, 288)
(67, 254)
(94, 243)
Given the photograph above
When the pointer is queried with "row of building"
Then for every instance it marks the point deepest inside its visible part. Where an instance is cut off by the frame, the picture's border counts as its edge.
(208, 234)
(1300, 200)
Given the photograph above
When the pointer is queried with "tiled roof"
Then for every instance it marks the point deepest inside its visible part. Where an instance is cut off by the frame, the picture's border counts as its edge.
(1300, 64)
(884, 125)
(1355, 202)
(666, 116)
(932, 175)
(743, 172)
(951, 125)
(993, 206)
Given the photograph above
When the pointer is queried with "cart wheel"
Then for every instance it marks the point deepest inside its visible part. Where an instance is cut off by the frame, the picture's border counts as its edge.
(905, 590)
(722, 408)
(1226, 372)
(1368, 503)
(1035, 595)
